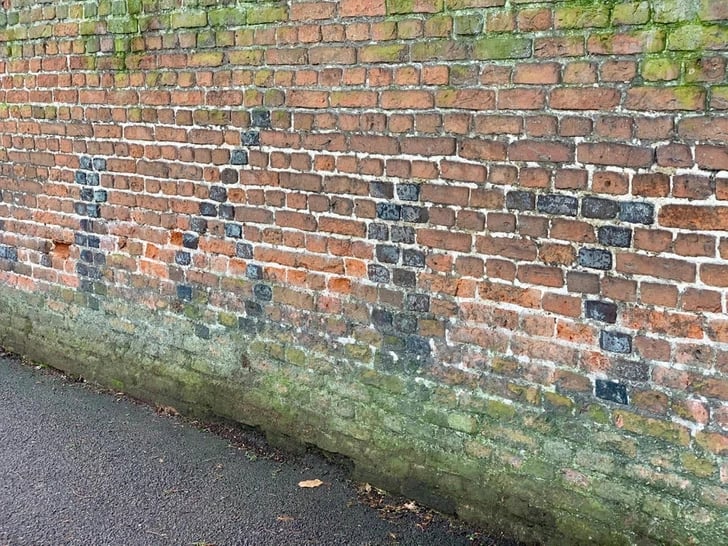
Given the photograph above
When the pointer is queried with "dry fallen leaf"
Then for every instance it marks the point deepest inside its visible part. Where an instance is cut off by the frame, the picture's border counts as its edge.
(310, 483)
(285, 518)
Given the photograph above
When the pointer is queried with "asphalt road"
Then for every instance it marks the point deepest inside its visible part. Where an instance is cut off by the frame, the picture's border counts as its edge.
(80, 467)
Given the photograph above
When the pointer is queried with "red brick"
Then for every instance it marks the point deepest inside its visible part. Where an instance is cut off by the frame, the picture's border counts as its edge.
(569, 306)
(447, 240)
(585, 98)
(362, 8)
(469, 99)
(537, 73)
(466, 172)
(451, 195)
(541, 275)
(714, 158)
(714, 274)
(693, 244)
(651, 185)
(694, 299)
(620, 155)
(663, 268)
(521, 99)
(470, 220)
(533, 150)
(406, 100)
(654, 240)
(661, 98)
(694, 217)
(428, 146)
(658, 294)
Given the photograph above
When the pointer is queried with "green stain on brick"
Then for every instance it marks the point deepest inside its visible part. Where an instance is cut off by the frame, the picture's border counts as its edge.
(592, 16)
(667, 431)
(401, 7)
(189, 19)
(631, 13)
(383, 53)
(674, 11)
(122, 25)
(264, 15)
(686, 38)
(228, 17)
(502, 47)
(462, 422)
(658, 69)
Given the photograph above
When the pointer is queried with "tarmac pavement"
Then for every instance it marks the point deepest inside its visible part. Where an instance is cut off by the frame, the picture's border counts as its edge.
(83, 467)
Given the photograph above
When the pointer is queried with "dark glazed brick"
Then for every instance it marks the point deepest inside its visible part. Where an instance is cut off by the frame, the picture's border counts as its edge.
(615, 236)
(378, 232)
(253, 308)
(227, 212)
(595, 258)
(594, 207)
(9, 253)
(378, 273)
(520, 200)
(198, 225)
(238, 157)
(637, 213)
(202, 331)
(413, 258)
(86, 194)
(408, 192)
(229, 176)
(381, 318)
(87, 256)
(99, 164)
(80, 177)
(92, 179)
(404, 278)
(184, 292)
(100, 196)
(93, 241)
(383, 190)
(190, 240)
(81, 239)
(415, 215)
(182, 258)
(615, 342)
(263, 292)
(244, 250)
(233, 230)
(407, 324)
(250, 138)
(85, 162)
(388, 211)
(419, 303)
(388, 254)
(562, 205)
(254, 272)
(612, 391)
(208, 209)
(403, 234)
(260, 118)
(601, 310)
(218, 193)
(418, 346)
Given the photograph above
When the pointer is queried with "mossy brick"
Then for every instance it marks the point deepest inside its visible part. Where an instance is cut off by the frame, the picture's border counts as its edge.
(713, 10)
(631, 13)
(88, 28)
(661, 69)
(383, 53)
(227, 17)
(122, 25)
(582, 16)
(189, 19)
(443, 50)
(664, 430)
(674, 11)
(462, 422)
(686, 38)
(400, 7)
(118, 7)
(502, 47)
(266, 14)
(558, 402)
(698, 466)
(468, 24)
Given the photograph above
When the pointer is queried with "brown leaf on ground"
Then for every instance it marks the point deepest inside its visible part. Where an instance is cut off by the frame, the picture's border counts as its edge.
(308, 484)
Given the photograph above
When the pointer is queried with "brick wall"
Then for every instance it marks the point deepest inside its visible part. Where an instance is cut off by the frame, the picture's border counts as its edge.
(478, 246)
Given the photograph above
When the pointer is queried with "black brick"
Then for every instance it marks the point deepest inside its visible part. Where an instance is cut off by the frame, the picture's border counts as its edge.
(208, 209)
(408, 192)
(381, 318)
(238, 157)
(233, 230)
(418, 346)
(86, 194)
(378, 232)
(637, 213)
(229, 176)
(260, 118)
(417, 302)
(85, 162)
(594, 207)
(226, 212)
(630, 370)
(92, 179)
(250, 138)
(563, 205)
(202, 331)
(218, 193)
(100, 196)
(413, 258)
(403, 234)
(601, 310)
(80, 177)
(378, 273)
(9, 253)
(93, 241)
(254, 271)
(611, 390)
(244, 250)
(407, 324)
(415, 215)
(520, 200)
(388, 254)
(190, 240)
(404, 278)
(615, 342)
(263, 292)
(384, 190)
(615, 236)
(389, 211)
(99, 164)
(198, 225)
(184, 292)
(595, 258)
(182, 258)
(87, 256)
(253, 308)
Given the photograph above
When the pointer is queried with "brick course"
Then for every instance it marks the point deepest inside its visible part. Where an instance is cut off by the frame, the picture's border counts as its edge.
(495, 230)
